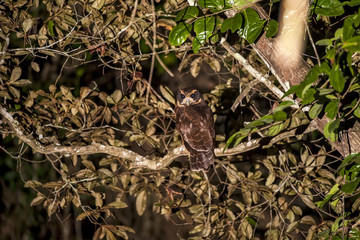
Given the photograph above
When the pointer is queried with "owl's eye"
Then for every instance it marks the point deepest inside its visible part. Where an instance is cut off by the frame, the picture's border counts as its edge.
(182, 96)
(192, 95)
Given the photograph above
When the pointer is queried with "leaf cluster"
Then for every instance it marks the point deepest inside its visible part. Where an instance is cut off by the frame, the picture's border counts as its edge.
(196, 24)
(332, 89)
(293, 187)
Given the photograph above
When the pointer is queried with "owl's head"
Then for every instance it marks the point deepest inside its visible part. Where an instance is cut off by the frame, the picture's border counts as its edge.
(188, 96)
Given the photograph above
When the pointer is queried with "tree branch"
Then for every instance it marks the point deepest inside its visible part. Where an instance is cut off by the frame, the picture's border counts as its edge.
(137, 160)
(255, 73)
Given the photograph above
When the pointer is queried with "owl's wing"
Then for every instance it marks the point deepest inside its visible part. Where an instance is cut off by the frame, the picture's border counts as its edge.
(197, 129)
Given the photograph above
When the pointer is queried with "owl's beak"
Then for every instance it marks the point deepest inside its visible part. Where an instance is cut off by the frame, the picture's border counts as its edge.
(187, 102)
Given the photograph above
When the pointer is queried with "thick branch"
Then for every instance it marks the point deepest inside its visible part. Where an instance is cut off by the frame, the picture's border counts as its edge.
(137, 160)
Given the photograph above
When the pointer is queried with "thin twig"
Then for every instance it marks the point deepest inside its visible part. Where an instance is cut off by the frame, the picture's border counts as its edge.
(312, 44)
(209, 198)
(154, 50)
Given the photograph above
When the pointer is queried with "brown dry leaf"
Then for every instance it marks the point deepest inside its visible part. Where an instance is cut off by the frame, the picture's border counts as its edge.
(15, 74)
(116, 96)
(37, 201)
(214, 64)
(27, 24)
(195, 67)
(35, 66)
(308, 220)
(89, 165)
(141, 202)
(167, 93)
(98, 199)
(84, 92)
(52, 208)
(117, 204)
(32, 183)
(107, 115)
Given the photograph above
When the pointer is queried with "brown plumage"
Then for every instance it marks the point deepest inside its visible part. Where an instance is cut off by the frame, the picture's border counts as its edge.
(195, 122)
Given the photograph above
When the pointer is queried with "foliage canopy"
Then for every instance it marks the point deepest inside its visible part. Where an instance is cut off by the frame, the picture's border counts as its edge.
(83, 94)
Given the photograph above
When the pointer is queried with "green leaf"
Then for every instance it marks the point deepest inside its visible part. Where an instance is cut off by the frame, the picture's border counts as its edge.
(292, 90)
(253, 25)
(330, 129)
(203, 28)
(51, 27)
(330, 54)
(335, 227)
(283, 105)
(334, 125)
(353, 157)
(274, 130)
(354, 3)
(324, 68)
(350, 186)
(332, 109)
(214, 4)
(261, 121)
(309, 96)
(330, 8)
(332, 192)
(179, 33)
(338, 34)
(354, 233)
(357, 112)
(309, 79)
(355, 169)
(236, 138)
(315, 110)
(232, 24)
(280, 116)
(187, 13)
(271, 28)
(331, 97)
(251, 221)
(324, 42)
(196, 45)
(352, 44)
(325, 91)
(355, 86)
(238, 3)
(337, 80)
(347, 29)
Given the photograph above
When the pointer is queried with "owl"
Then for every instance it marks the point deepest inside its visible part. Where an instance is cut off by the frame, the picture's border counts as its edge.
(195, 122)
